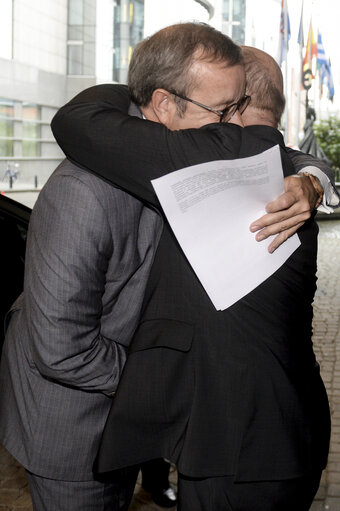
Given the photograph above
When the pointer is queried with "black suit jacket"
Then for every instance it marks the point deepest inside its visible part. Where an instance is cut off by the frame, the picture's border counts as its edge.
(229, 392)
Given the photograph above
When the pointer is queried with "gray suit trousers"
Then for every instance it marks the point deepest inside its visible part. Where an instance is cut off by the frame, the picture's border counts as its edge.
(112, 493)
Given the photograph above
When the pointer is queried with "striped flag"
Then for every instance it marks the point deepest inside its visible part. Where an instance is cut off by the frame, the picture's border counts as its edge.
(321, 57)
(300, 38)
(284, 32)
(324, 67)
(311, 49)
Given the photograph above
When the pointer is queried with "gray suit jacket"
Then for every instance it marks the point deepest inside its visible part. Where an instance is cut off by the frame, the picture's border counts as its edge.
(89, 251)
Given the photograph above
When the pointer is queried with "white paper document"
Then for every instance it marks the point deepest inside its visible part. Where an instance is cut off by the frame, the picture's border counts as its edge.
(210, 208)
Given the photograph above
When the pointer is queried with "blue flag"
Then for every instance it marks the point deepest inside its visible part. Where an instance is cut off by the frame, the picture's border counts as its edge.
(283, 30)
(324, 67)
(321, 59)
(300, 38)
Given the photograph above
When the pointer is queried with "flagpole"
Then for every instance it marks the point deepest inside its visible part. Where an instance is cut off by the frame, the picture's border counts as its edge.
(298, 117)
(286, 66)
(310, 43)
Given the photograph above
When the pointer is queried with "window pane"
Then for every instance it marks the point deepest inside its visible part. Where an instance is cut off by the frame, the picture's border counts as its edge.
(75, 59)
(6, 127)
(89, 12)
(82, 28)
(30, 129)
(6, 107)
(6, 148)
(89, 33)
(89, 58)
(31, 111)
(225, 9)
(75, 12)
(116, 64)
(123, 43)
(236, 30)
(137, 23)
(30, 148)
(75, 33)
(239, 10)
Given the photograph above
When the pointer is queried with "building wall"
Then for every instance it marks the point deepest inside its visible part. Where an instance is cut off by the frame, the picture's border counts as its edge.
(104, 40)
(40, 31)
(33, 69)
(50, 50)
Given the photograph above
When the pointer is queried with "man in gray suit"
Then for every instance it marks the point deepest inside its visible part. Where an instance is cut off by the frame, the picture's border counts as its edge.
(89, 251)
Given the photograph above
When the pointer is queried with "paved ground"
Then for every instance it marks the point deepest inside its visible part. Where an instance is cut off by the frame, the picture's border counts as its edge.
(14, 494)
(327, 347)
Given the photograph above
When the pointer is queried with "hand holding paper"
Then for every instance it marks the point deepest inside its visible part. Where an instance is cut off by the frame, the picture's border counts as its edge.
(287, 213)
(210, 207)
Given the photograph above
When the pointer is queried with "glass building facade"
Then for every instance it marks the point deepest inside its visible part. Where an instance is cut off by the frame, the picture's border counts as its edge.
(128, 20)
(6, 127)
(81, 37)
(49, 52)
(234, 19)
(31, 129)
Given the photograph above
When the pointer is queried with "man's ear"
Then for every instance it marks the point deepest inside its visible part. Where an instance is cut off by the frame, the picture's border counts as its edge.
(163, 106)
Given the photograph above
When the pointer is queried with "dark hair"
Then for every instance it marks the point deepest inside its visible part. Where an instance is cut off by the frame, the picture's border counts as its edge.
(264, 84)
(164, 60)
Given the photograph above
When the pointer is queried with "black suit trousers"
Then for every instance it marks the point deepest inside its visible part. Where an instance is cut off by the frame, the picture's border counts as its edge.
(223, 494)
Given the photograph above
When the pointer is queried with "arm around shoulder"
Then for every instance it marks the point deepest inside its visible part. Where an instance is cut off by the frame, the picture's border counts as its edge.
(95, 131)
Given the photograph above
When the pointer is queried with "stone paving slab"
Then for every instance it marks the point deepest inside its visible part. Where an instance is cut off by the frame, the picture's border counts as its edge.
(14, 493)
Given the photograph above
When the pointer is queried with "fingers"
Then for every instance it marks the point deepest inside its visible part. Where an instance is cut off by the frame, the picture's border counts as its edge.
(302, 189)
(283, 203)
(283, 223)
(275, 223)
(282, 237)
(299, 192)
(286, 214)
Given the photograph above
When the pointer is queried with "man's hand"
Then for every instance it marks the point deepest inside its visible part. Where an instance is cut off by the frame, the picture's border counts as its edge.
(288, 212)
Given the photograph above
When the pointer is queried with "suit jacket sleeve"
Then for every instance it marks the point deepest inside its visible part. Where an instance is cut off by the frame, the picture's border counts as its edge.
(69, 244)
(302, 160)
(95, 131)
(320, 169)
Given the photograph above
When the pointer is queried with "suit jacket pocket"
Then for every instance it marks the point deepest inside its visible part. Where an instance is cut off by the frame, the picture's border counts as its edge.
(17, 305)
(163, 333)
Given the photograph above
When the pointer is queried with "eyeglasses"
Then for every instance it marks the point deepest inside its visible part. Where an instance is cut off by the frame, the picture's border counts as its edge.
(226, 114)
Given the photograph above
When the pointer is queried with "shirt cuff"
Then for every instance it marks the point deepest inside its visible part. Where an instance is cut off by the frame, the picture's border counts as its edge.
(330, 196)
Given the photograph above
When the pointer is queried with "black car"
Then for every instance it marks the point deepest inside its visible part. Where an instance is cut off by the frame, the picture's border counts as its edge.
(14, 218)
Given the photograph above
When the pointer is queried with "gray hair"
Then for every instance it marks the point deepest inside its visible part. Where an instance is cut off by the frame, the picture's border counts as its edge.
(164, 60)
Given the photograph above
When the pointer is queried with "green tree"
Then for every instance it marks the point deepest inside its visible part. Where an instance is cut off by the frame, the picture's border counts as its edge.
(327, 133)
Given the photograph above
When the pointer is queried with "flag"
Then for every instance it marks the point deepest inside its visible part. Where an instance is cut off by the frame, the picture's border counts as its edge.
(321, 56)
(300, 38)
(311, 50)
(325, 71)
(327, 78)
(284, 31)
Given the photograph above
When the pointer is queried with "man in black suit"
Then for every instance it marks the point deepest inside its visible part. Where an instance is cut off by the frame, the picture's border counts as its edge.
(234, 397)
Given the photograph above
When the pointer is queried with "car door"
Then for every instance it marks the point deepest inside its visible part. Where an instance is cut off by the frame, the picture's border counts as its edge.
(14, 218)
